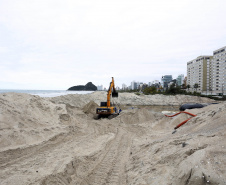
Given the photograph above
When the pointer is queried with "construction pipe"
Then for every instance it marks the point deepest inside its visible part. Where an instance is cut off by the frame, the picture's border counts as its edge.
(180, 113)
(183, 121)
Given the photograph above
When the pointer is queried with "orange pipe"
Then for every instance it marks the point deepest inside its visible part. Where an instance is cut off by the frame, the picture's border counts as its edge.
(183, 121)
(180, 113)
(172, 115)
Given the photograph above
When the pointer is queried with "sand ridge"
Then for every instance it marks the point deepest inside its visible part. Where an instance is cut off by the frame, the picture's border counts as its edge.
(57, 141)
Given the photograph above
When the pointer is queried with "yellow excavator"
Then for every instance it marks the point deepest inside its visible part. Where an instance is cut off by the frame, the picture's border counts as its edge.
(106, 109)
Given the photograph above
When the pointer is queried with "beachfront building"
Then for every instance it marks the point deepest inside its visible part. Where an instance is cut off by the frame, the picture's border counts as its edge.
(218, 73)
(133, 85)
(155, 82)
(117, 88)
(165, 80)
(139, 85)
(198, 71)
(209, 72)
(180, 80)
(124, 86)
(100, 88)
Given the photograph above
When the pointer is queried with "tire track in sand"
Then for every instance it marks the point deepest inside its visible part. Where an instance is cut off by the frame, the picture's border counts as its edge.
(111, 169)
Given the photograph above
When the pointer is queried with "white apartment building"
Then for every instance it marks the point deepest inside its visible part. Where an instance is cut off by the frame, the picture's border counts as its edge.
(218, 73)
(198, 71)
(100, 88)
(209, 72)
(124, 86)
(134, 85)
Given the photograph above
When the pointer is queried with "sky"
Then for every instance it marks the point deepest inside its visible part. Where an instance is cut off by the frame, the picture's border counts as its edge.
(56, 44)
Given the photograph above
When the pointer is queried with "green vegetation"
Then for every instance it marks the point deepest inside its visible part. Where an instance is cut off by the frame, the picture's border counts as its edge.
(150, 90)
(129, 90)
(196, 86)
(174, 90)
(188, 87)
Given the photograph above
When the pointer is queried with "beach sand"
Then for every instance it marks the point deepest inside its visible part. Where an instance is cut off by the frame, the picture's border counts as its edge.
(57, 141)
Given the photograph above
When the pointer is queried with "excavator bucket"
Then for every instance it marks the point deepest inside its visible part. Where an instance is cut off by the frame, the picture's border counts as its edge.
(114, 94)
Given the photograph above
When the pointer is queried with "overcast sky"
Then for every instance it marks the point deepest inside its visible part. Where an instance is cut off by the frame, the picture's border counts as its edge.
(56, 44)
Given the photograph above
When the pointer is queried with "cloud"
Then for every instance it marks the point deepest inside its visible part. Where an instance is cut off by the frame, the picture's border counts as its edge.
(73, 42)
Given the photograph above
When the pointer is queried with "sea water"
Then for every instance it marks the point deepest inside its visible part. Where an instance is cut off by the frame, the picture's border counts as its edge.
(45, 93)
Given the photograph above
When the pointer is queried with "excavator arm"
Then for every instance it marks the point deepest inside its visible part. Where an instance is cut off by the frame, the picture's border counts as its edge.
(112, 91)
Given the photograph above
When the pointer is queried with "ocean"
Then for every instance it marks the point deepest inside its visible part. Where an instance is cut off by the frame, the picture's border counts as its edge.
(45, 93)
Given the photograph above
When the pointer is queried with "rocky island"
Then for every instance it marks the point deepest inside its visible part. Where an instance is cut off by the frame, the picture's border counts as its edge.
(88, 87)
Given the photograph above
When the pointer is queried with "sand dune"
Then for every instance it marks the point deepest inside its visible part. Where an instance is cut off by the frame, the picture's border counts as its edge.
(56, 141)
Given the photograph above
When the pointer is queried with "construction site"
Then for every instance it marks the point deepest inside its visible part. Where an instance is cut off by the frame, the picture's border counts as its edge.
(50, 141)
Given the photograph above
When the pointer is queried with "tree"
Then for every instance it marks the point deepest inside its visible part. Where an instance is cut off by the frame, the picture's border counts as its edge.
(150, 90)
(196, 86)
(183, 86)
(188, 87)
(174, 89)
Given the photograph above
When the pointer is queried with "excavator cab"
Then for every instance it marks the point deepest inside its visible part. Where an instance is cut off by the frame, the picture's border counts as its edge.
(114, 94)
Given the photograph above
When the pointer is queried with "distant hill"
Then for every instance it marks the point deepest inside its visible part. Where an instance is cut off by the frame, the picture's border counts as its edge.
(88, 87)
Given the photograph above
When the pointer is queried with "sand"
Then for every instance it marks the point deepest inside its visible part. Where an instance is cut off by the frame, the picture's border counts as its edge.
(57, 141)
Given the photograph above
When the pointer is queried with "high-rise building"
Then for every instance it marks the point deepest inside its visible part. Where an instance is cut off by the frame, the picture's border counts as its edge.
(100, 87)
(133, 85)
(139, 85)
(166, 79)
(180, 80)
(124, 86)
(209, 72)
(218, 73)
(198, 71)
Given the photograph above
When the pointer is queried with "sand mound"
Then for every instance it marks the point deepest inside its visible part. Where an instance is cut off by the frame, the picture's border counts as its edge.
(195, 154)
(90, 108)
(56, 141)
(205, 154)
(27, 119)
(132, 99)
(80, 100)
(138, 116)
